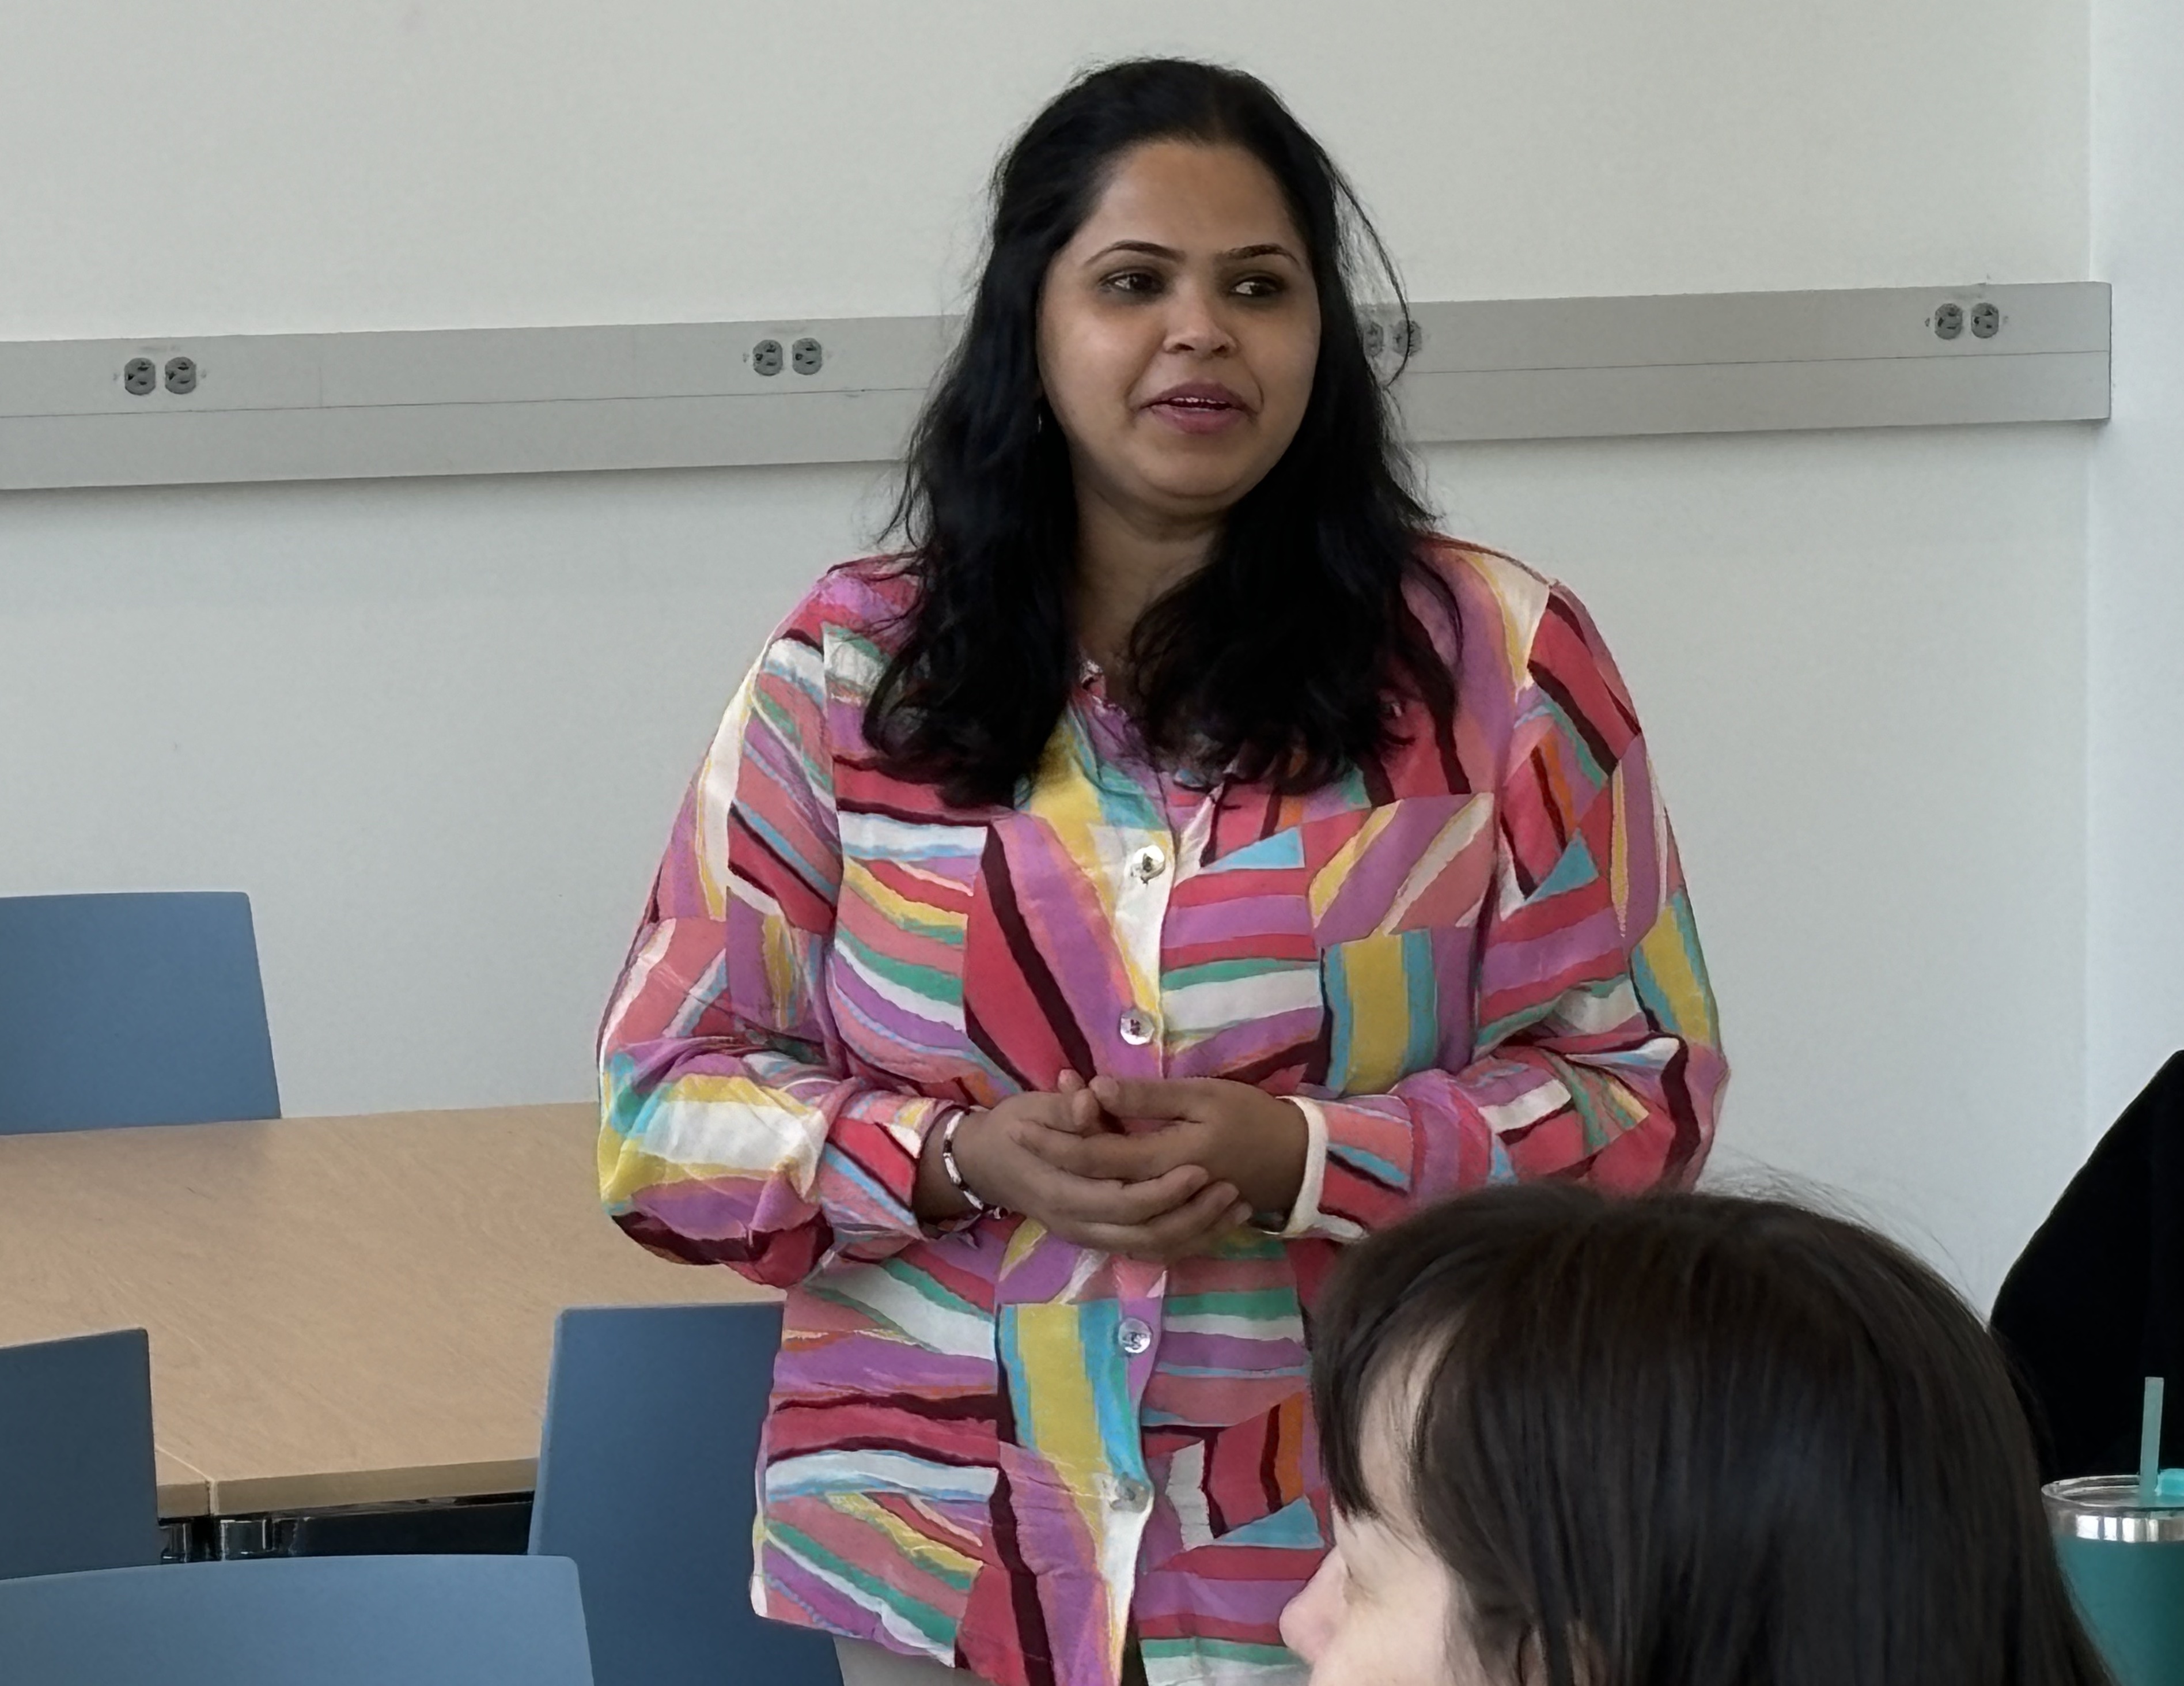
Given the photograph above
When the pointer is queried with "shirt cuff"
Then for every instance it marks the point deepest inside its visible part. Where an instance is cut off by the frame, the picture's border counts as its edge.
(1304, 1215)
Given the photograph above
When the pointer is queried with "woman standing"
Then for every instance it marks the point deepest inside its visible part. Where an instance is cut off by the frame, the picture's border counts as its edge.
(1176, 862)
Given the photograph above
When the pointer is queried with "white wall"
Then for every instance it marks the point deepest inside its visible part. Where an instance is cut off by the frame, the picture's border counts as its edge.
(264, 167)
(437, 729)
(2135, 653)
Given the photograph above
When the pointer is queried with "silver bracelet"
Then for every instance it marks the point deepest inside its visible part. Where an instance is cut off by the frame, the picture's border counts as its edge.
(954, 1172)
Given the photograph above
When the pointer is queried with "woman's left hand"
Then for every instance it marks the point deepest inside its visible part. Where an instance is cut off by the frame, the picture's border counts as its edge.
(1239, 1133)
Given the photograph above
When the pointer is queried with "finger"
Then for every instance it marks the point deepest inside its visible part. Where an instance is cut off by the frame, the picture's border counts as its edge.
(1150, 1097)
(1119, 1206)
(1086, 1114)
(1223, 1221)
(1063, 1111)
(1208, 1238)
(1175, 1232)
(1067, 1083)
(1070, 1113)
(1112, 1158)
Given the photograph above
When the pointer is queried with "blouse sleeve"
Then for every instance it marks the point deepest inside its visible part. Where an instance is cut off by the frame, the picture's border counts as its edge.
(733, 1133)
(1597, 1056)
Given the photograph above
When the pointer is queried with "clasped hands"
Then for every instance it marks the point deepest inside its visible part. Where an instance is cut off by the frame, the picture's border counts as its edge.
(1152, 1168)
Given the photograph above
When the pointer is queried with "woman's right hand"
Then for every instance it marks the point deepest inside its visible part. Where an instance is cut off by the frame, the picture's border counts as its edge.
(1178, 1212)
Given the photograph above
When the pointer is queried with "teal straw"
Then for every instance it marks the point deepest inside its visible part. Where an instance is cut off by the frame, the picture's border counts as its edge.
(2150, 1441)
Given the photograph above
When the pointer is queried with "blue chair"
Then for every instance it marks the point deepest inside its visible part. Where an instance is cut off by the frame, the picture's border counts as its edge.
(131, 1009)
(275, 1620)
(647, 1476)
(77, 1489)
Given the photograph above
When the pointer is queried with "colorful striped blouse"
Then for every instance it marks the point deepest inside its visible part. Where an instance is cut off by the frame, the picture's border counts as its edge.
(1471, 960)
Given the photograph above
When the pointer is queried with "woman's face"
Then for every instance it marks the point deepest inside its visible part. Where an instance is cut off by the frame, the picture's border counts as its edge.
(1383, 1610)
(1177, 334)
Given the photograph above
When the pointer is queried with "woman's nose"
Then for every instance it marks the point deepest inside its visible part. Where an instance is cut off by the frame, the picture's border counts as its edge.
(1195, 324)
(1308, 1619)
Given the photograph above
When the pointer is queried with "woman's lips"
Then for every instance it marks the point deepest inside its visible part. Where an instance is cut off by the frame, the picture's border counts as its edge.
(1192, 415)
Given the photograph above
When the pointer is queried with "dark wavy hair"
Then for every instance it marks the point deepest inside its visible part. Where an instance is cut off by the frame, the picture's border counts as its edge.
(1276, 659)
(1696, 1440)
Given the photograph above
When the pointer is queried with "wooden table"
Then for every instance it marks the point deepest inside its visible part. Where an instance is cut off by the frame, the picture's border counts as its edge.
(342, 1311)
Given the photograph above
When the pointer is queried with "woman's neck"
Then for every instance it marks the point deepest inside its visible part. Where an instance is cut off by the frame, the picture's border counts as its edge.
(1123, 566)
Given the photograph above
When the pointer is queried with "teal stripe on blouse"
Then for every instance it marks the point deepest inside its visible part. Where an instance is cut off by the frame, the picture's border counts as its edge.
(1421, 1001)
(928, 982)
(928, 1620)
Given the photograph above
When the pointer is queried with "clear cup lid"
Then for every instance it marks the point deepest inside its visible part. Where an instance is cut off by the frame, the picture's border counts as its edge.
(2109, 1508)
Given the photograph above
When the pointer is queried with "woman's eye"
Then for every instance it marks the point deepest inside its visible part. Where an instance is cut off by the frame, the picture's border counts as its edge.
(1259, 287)
(1132, 281)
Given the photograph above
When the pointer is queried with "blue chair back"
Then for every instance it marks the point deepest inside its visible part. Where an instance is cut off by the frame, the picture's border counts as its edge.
(131, 1009)
(275, 1620)
(648, 1477)
(77, 1489)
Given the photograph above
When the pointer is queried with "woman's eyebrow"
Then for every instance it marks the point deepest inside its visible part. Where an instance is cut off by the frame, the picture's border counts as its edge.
(1234, 256)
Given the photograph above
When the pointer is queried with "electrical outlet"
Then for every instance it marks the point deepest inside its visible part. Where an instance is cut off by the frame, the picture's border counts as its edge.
(1986, 321)
(1393, 341)
(766, 357)
(806, 355)
(140, 375)
(1948, 321)
(181, 375)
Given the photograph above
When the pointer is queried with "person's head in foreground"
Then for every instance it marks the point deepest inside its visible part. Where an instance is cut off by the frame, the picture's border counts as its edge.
(1681, 1440)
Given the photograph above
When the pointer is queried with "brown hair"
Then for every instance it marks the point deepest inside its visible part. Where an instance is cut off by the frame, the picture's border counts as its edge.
(1698, 1440)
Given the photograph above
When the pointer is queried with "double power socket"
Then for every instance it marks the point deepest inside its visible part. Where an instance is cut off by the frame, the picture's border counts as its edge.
(1950, 321)
(140, 376)
(806, 356)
